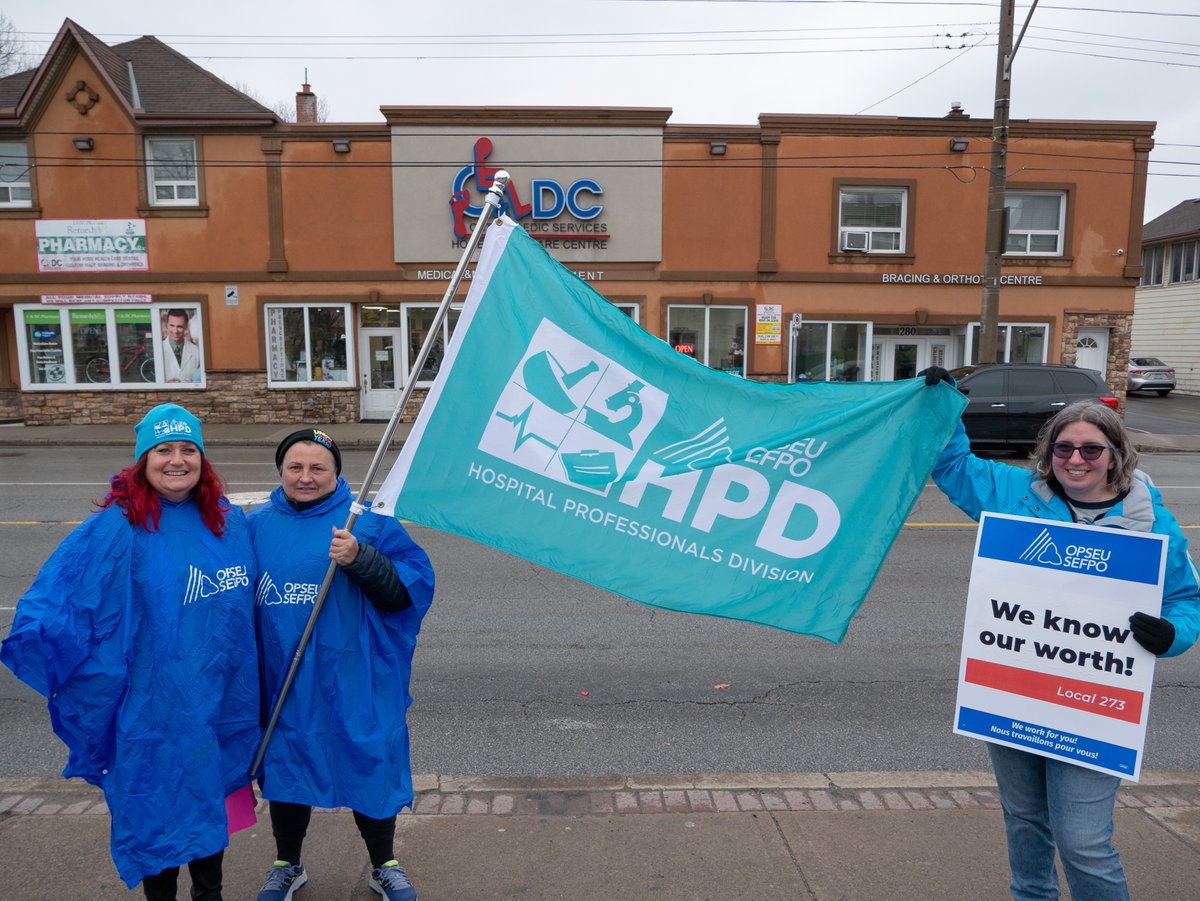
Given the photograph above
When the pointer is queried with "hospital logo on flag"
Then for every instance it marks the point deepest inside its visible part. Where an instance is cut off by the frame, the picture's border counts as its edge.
(572, 414)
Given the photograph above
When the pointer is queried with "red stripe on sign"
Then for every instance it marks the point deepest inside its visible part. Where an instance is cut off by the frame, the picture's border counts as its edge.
(1102, 700)
(544, 236)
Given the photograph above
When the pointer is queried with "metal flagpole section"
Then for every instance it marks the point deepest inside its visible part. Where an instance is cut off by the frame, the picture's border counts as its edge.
(491, 207)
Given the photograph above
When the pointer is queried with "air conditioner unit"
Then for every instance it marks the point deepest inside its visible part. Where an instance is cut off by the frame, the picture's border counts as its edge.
(856, 241)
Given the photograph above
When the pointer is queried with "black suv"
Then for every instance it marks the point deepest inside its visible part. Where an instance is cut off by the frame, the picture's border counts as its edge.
(1007, 403)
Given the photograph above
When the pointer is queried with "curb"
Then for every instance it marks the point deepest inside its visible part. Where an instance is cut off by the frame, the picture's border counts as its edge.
(689, 794)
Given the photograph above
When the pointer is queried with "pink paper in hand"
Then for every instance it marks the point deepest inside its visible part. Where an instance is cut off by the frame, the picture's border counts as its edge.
(239, 809)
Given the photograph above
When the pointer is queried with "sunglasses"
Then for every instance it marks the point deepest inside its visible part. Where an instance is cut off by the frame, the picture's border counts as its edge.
(1088, 452)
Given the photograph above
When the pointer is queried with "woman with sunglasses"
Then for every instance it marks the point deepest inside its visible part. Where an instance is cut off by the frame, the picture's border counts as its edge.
(1085, 471)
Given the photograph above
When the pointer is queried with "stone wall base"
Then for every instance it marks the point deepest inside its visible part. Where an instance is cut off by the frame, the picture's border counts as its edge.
(231, 397)
(10, 405)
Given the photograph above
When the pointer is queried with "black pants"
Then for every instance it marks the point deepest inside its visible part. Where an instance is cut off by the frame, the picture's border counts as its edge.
(206, 881)
(289, 825)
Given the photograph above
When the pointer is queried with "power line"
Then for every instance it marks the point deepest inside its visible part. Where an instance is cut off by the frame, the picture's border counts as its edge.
(723, 35)
(922, 78)
(1058, 40)
(939, 3)
(1128, 59)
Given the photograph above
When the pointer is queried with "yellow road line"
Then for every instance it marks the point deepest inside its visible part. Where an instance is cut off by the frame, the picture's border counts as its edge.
(45, 522)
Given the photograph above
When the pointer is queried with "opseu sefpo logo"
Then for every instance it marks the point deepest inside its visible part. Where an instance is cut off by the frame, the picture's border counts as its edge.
(1044, 550)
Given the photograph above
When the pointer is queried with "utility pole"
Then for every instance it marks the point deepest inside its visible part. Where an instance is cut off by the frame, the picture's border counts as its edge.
(997, 218)
(996, 237)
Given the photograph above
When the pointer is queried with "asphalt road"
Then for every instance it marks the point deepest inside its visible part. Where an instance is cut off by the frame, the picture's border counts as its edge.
(1175, 414)
(520, 671)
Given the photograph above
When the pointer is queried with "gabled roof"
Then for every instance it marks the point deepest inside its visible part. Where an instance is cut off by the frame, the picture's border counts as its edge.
(155, 83)
(13, 86)
(1182, 219)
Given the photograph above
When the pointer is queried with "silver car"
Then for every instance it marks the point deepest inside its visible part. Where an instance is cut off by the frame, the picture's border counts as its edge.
(1150, 374)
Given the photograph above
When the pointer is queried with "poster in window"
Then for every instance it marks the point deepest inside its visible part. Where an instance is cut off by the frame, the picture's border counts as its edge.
(768, 323)
(44, 340)
(182, 356)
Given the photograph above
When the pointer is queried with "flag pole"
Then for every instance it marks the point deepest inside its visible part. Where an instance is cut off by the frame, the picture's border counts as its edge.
(491, 204)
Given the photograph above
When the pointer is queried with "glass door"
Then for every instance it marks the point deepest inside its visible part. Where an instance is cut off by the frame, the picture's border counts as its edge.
(381, 380)
(904, 356)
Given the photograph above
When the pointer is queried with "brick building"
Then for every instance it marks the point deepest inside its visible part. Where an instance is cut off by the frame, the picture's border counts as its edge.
(165, 237)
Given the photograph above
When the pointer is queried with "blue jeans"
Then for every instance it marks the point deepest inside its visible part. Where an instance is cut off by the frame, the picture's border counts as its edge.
(1050, 804)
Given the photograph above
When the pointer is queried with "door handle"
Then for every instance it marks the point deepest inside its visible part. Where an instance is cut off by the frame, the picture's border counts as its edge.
(1061, 403)
(999, 405)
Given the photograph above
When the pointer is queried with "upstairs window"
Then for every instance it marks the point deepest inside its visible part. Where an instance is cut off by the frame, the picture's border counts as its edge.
(1152, 265)
(1184, 262)
(171, 172)
(872, 220)
(1035, 223)
(15, 191)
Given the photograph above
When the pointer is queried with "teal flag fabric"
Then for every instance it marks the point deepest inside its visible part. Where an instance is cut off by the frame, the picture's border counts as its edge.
(559, 431)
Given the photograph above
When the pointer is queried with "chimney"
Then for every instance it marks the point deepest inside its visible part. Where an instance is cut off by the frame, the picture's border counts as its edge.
(956, 110)
(306, 106)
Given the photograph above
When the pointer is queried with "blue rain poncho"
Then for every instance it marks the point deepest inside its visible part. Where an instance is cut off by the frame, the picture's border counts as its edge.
(342, 735)
(143, 644)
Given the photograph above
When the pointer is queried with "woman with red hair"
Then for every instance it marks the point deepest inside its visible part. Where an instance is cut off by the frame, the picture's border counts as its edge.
(139, 632)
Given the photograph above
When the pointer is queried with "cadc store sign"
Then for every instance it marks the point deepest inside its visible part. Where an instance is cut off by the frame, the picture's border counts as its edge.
(571, 188)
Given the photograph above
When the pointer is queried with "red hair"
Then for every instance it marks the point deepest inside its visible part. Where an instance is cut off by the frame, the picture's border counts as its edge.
(132, 493)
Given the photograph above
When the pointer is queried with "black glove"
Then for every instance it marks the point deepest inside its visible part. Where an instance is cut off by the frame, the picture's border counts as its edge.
(1154, 634)
(935, 374)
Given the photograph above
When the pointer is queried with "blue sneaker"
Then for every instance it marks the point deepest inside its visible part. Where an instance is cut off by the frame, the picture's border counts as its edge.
(283, 881)
(389, 880)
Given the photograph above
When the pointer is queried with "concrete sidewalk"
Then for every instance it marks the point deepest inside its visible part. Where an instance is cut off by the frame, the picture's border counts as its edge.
(823, 836)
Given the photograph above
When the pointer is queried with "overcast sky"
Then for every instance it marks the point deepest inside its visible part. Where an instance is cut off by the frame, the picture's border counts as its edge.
(711, 61)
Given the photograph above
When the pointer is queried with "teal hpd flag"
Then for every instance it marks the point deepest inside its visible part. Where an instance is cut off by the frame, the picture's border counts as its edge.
(558, 431)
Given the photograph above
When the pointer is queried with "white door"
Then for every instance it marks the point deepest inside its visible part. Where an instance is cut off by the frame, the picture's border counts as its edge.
(1091, 350)
(380, 374)
(903, 357)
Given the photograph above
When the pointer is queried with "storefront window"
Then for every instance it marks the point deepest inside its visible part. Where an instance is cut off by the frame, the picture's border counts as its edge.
(1027, 344)
(1014, 343)
(135, 346)
(812, 348)
(89, 343)
(716, 336)
(44, 352)
(629, 309)
(831, 352)
(307, 345)
(420, 320)
(685, 331)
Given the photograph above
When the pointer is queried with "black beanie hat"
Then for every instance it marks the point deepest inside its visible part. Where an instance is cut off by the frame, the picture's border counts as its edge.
(316, 436)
